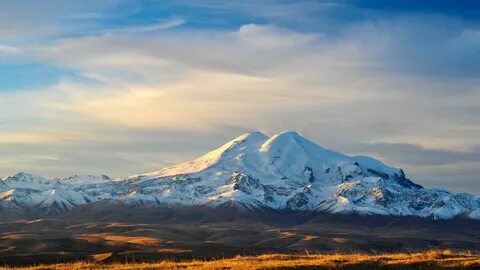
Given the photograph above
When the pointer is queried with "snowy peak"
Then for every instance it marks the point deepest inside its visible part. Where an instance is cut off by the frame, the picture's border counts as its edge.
(286, 155)
(244, 140)
(28, 181)
(288, 171)
(252, 171)
(287, 140)
(287, 143)
(36, 194)
(244, 143)
(24, 177)
(80, 180)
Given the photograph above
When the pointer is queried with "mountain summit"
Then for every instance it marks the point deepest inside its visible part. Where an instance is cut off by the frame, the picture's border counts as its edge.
(252, 172)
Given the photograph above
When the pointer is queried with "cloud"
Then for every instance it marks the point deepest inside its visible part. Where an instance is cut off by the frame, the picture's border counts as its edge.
(202, 84)
(418, 155)
(268, 37)
(291, 74)
(48, 17)
(460, 177)
(162, 24)
(4, 49)
(415, 45)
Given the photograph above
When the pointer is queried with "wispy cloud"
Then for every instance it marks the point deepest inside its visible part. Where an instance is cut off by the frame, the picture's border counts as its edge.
(162, 24)
(8, 49)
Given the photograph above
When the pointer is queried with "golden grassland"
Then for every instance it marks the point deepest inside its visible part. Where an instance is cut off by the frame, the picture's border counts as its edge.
(444, 259)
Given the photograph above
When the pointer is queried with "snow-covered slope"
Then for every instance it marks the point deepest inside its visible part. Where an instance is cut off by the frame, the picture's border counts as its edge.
(253, 171)
(36, 194)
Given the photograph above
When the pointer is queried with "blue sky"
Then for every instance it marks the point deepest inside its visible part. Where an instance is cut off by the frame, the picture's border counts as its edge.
(123, 87)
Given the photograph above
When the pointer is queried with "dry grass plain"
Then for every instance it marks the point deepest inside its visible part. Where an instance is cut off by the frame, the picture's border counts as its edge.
(444, 259)
(206, 239)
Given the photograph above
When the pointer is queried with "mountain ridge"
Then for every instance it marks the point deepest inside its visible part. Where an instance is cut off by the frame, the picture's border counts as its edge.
(252, 171)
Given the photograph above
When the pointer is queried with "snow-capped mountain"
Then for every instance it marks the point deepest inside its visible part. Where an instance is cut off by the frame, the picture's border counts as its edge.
(252, 172)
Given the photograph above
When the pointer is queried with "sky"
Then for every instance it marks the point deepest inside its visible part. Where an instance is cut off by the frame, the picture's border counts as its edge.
(123, 87)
